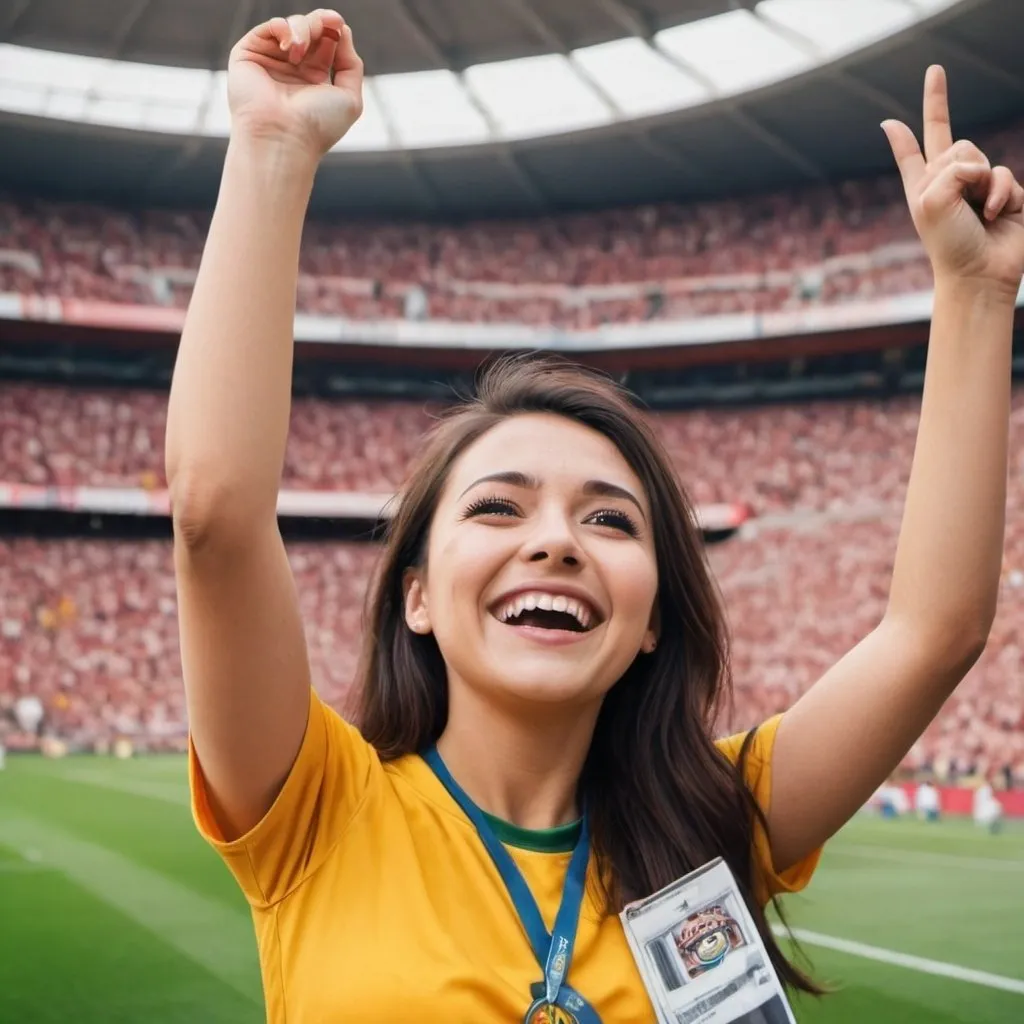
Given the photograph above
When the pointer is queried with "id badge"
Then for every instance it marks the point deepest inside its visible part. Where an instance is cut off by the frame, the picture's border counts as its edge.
(700, 955)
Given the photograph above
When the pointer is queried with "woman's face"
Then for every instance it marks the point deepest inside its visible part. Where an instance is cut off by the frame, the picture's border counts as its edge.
(541, 576)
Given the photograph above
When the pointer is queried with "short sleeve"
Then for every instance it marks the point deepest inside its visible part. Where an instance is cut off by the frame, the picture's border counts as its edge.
(333, 773)
(757, 773)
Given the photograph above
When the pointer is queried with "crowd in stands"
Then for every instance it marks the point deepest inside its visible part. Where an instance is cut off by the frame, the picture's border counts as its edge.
(815, 456)
(89, 626)
(799, 596)
(828, 244)
(778, 458)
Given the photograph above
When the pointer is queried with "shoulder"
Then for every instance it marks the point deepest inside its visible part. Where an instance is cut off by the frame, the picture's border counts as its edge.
(753, 747)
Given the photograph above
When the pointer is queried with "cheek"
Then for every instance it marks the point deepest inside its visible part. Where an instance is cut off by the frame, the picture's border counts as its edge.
(467, 562)
(633, 584)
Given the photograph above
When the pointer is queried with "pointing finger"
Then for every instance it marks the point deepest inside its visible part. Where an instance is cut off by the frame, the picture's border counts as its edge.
(938, 132)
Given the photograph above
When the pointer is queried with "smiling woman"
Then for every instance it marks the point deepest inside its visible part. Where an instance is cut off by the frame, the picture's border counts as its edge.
(544, 629)
(545, 652)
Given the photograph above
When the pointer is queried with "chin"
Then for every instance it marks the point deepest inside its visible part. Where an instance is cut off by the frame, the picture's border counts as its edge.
(544, 684)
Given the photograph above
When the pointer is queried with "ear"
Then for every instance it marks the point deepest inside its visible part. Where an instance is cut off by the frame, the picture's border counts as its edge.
(417, 618)
(650, 641)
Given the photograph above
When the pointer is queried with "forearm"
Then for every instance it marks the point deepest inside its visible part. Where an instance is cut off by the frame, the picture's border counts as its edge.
(227, 422)
(946, 575)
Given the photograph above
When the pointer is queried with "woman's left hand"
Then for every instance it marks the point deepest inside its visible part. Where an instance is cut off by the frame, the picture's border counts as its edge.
(970, 215)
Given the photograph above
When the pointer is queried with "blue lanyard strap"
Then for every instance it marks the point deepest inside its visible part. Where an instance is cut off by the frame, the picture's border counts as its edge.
(553, 950)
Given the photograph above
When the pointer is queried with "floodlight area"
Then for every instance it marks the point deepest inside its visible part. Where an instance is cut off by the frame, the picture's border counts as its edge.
(680, 67)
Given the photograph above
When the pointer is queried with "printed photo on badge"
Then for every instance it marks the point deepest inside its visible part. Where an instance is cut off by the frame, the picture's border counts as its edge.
(698, 943)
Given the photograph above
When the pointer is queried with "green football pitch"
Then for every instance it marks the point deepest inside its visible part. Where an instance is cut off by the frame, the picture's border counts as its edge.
(112, 910)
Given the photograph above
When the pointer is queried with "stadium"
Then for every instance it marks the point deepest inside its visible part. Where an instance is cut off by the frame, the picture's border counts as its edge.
(693, 196)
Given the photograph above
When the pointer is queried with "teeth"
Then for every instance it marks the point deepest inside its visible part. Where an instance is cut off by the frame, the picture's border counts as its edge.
(546, 602)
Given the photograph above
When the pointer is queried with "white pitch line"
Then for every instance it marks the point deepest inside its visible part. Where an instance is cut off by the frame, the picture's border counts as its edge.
(911, 857)
(213, 935)
(911, 963)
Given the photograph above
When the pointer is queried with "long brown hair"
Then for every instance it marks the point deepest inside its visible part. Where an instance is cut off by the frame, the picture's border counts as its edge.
(662, 800)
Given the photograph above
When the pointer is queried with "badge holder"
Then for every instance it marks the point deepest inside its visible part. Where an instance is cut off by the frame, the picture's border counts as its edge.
(700, 955)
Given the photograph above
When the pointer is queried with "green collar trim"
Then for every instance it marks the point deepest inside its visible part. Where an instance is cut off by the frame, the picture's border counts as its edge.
(560, 839)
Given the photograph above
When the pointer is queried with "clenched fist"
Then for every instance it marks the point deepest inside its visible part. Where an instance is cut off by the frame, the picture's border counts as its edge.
(297, 80)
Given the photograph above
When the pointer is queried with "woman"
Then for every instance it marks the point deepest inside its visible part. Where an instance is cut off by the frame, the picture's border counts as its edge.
(543, 614)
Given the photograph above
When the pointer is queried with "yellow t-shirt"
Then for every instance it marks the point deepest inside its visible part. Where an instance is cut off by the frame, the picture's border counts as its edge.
(375, 901)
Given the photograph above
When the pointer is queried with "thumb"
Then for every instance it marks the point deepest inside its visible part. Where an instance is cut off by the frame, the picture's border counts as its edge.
(348, 65)
(907, 152)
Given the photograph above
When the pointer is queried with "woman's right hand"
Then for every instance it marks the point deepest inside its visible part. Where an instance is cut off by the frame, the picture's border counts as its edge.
(298, 80)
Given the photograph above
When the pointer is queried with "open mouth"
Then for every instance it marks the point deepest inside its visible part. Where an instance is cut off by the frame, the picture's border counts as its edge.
(547, 611)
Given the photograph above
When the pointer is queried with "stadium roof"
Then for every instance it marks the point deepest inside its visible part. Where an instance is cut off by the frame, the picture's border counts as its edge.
(394, 36)
(592, 103)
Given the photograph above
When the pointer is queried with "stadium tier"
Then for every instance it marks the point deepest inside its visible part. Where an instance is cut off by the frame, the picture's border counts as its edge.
(830, 244)
(103, 656)
(803, 581)
(815, 456)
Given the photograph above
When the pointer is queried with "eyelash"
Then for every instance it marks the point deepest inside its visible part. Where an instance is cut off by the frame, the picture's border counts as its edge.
(626, 523)
(502, 506)
(491, 505)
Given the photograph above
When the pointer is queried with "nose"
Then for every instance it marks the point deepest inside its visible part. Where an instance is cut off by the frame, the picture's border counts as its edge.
(553, 541)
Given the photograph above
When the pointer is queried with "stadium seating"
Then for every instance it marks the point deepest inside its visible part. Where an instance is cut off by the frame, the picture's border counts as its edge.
(90, 625)
(817, 456)
(824, 245)
(90, 628)
(571, 272)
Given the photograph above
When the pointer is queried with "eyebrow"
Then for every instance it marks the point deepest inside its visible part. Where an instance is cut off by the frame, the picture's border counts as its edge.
(592, 488)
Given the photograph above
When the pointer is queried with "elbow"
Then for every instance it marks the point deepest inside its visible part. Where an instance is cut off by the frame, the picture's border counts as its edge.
(952, 648)
(207, 511)
(967, 649)
(198, 510)
(967, 637)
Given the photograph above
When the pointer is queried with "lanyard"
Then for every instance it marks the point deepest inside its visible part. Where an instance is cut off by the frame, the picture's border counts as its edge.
(553, 950)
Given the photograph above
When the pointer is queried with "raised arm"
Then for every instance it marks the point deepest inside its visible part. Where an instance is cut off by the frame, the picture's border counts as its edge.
(849, 732)
(242, 642)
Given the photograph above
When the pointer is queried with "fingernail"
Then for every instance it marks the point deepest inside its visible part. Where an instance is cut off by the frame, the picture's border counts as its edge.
(333, 33)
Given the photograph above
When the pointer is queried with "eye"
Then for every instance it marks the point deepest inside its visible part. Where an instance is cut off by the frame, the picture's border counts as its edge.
(491, 506)
(615, 518)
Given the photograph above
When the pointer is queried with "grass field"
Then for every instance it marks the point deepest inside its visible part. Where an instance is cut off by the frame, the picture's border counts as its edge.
(113, 911)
